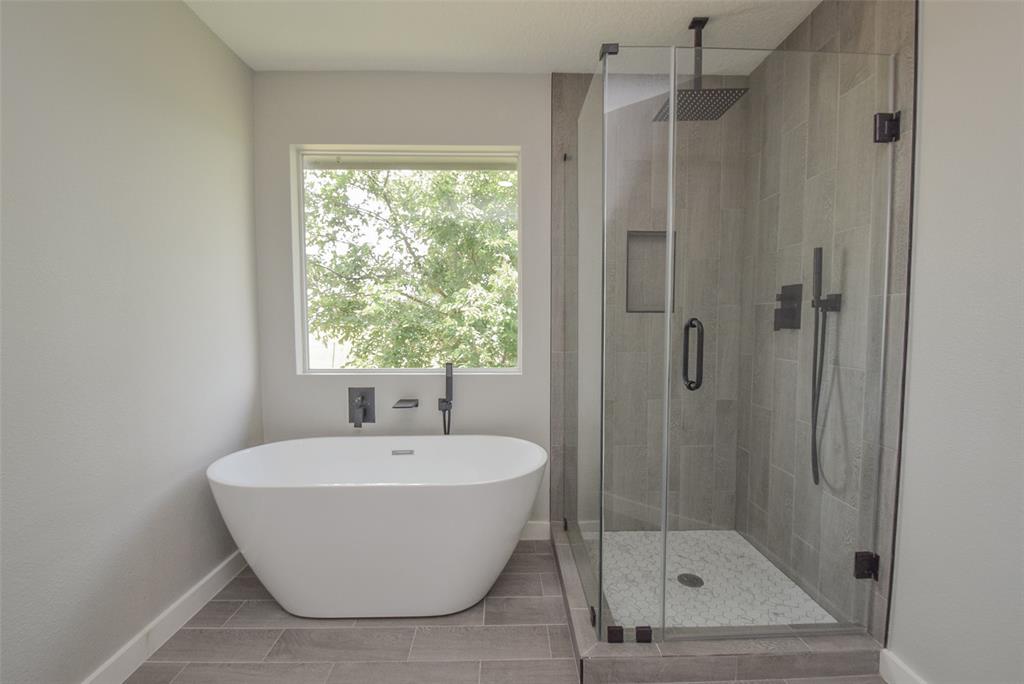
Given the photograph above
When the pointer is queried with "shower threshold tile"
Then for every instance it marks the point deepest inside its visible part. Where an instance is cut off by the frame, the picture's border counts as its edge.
(732, 646)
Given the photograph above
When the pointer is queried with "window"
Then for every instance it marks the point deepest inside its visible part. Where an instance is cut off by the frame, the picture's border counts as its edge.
(409, 258)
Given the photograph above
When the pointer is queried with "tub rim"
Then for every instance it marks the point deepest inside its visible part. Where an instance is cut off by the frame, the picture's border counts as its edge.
(221, 481)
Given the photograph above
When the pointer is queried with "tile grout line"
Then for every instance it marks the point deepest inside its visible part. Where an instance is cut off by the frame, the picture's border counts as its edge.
(479, 672)
(240, 605)
(412, 642)
(278, 639)
(551, 651)
(177, 674)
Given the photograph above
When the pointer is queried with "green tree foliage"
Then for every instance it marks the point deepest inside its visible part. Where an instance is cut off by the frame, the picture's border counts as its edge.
(413, 268)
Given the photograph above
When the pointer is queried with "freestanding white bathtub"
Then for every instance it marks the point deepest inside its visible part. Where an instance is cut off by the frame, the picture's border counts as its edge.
(378, 526)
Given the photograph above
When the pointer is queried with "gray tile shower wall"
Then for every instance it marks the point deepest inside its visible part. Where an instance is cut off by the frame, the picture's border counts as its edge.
(786, 170)
(819, 181)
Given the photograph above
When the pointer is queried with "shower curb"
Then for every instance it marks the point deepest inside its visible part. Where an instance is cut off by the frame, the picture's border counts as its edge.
(720, 659)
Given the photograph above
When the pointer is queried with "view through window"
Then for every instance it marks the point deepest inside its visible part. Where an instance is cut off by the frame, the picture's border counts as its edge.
(411, 259)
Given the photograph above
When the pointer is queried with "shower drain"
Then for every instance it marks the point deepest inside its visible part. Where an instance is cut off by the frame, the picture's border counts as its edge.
(690, 580)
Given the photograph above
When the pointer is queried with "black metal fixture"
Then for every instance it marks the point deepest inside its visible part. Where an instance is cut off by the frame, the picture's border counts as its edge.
(787, 316)
(406, 403)
(444, 404)
(644, 634)
(694, 383)
(699, 103)
(887, 127)
(822, 306)
(608, 49)
(616, 635)
(361, 406)
(865, 565)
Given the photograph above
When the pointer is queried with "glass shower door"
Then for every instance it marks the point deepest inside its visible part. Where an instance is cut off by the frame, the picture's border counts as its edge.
(775, 161)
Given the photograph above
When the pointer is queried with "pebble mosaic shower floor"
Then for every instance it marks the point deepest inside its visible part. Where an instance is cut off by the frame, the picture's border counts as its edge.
(741, 586)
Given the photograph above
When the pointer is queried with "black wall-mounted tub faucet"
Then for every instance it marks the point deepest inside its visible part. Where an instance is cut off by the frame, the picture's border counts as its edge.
(361, 407)
(444, 404)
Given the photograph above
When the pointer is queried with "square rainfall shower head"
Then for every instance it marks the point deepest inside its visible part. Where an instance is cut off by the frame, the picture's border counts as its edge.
(707, 104)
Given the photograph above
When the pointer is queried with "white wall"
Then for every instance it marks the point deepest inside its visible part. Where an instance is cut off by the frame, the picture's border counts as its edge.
(129, 320)
(415, 109)
(958, 600)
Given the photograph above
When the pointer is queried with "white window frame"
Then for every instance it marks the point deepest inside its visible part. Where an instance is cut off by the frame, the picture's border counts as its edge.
(297, 153)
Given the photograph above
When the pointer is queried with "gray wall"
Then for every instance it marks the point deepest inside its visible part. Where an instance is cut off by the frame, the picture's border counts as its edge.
(963, 440)
(129, 320)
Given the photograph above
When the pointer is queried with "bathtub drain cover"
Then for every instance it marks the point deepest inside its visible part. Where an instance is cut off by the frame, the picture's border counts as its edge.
(690, 580)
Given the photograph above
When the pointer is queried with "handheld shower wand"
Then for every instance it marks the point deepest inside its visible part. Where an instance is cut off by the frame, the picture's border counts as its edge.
(444, 404)
(821, 306)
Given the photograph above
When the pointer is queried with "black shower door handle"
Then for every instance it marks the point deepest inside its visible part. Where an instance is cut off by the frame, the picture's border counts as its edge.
(695, 383)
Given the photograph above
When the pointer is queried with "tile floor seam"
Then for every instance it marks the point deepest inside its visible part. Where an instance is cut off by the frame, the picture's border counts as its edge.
(176, 674)
(479, 672)
(267, 654)
(551, 651)
(415, 631)
(228, 619)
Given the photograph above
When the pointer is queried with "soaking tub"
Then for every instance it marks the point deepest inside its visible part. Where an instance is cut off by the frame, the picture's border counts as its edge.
(378, 526)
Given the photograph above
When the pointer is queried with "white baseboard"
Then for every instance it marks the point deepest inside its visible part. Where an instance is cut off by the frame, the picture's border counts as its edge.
(536, 529)
(895, 671)
(128, 658)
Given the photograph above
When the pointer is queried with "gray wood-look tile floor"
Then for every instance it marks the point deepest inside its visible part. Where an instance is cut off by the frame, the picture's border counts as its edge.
(518, 634)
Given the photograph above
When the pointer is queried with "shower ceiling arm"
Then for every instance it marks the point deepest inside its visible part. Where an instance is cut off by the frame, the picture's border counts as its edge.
(697, 25)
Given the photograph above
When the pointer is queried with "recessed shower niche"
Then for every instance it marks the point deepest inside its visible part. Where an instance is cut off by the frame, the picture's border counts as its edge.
(645, 271)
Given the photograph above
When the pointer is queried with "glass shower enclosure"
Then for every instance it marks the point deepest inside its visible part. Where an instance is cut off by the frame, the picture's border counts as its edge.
(733, 222)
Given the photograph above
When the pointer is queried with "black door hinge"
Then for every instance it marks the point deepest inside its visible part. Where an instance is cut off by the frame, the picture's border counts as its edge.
(593, 617)
(565, 524)
(616, 635)
(887, 127)
(865, 565)
(644, 634)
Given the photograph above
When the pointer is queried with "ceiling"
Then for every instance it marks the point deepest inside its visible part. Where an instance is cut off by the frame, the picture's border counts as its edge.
(489, 36)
